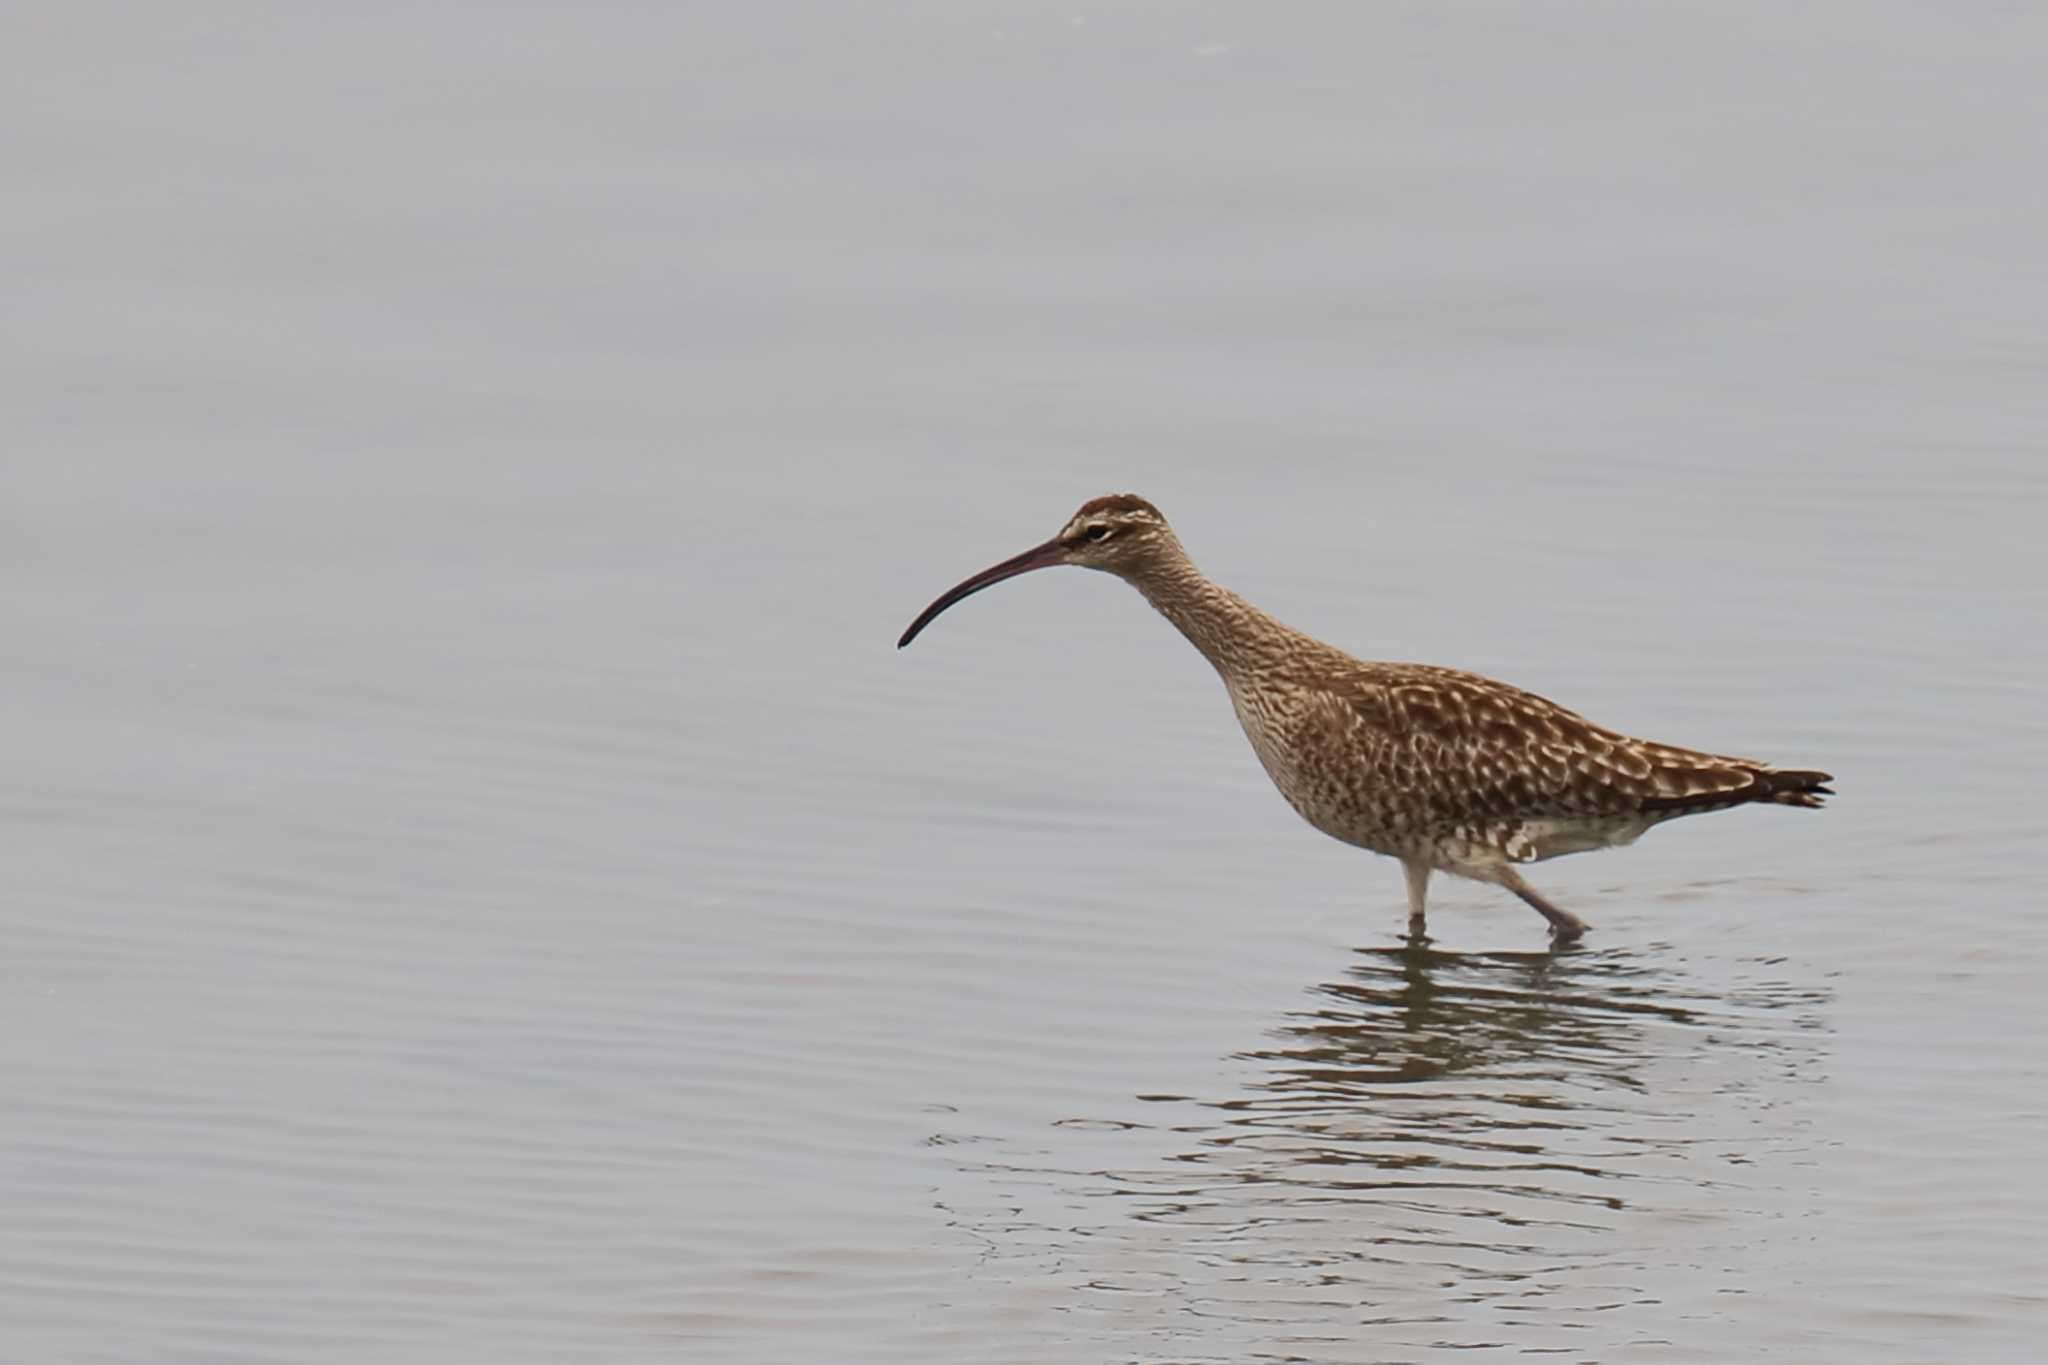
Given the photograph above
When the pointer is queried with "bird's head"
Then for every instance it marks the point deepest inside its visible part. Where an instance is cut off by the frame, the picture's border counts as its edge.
(1119, 533)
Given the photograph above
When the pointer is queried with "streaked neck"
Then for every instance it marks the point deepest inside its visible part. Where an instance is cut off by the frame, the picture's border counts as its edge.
(1232, 634)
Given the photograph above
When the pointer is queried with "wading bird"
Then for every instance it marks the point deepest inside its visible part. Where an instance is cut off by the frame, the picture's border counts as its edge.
(1444, 770)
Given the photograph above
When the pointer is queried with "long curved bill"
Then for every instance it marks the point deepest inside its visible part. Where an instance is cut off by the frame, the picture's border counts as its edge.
(1038, 557)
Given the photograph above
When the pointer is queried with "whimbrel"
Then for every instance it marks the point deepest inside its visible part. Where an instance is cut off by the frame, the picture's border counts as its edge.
(1446, 771)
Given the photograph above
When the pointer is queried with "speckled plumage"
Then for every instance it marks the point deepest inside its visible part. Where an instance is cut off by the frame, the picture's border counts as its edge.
(1447, 771)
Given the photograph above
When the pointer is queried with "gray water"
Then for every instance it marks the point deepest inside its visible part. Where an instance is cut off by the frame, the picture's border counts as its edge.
(482, 886)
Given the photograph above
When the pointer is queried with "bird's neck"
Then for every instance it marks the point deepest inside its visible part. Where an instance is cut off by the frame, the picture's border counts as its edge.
(1232, 634)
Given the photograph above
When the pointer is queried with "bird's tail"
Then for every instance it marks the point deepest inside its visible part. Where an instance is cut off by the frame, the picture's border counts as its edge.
(1795, 787)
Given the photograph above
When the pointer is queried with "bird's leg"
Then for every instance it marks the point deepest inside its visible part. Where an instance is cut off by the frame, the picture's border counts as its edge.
(1563, 923)
(1418, 890)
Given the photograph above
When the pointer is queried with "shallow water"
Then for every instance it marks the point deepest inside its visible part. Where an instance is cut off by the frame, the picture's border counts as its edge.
(483, 885)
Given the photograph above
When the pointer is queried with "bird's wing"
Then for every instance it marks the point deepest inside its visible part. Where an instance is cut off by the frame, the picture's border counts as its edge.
(1485, 752)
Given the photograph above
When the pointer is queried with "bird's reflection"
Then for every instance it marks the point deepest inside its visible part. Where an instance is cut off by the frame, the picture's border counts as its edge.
(1500, 1083)
(1440, 1143)
(1416, 1014)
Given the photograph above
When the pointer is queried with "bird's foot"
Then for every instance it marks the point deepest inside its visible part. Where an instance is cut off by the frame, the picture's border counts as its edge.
(1567, 928)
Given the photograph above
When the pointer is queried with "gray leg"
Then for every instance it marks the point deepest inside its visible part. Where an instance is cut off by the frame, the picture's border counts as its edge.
(1418, 889)
(1563, 923)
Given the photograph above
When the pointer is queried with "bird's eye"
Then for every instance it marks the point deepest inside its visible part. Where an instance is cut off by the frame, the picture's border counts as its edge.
(1097, 533)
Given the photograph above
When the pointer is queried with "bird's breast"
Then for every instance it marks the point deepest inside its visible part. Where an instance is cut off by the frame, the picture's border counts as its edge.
(1323, 769)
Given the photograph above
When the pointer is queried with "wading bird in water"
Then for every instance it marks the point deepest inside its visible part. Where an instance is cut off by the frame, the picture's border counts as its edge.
(1446, 771)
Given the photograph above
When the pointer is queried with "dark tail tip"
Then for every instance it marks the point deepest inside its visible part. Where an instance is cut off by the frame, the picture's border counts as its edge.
(1798, 787)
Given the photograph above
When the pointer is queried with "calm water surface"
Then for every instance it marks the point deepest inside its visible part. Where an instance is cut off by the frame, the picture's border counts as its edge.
(483, 887)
